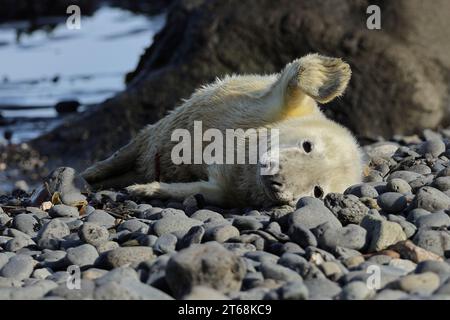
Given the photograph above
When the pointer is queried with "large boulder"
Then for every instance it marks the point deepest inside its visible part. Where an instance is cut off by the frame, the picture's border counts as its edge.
(400, 73)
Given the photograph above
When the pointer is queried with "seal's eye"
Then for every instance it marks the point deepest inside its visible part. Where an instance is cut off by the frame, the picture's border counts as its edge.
(318, 192)
(307, 146)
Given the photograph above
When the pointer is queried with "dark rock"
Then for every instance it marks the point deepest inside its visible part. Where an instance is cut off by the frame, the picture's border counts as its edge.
(208, 264)
(347, 208)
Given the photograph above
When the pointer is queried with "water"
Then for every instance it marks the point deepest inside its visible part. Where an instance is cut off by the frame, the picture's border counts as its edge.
(88, 65)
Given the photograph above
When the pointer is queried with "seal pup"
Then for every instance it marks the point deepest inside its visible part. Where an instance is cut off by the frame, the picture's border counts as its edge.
(316, 154)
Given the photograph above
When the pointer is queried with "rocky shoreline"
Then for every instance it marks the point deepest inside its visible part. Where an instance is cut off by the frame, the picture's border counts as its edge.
(387, 238)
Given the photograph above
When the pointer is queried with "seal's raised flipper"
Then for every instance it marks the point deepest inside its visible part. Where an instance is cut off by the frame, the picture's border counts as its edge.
(313, 77)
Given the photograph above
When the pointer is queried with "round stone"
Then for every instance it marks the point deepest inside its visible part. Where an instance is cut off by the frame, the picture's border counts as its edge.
(62, 211)
(398, 185)
(204, 215)
(93, 233)
(133, 225)
(311, 216)
(356, 290)
(434, 147)
(172, 224)
(431, 199)
(434, 220)
(18, 267)
(165, 244)
(392, 202)
(208, 264)
(82, 256)
(124, 256)
(102, 218)
(51, 234)
(424, 283)
(26, 223)
(221, 233)
(442, 183)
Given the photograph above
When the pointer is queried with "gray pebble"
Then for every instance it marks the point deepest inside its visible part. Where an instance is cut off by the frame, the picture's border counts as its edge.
(207, 264)
(406, 265)
(389, 294)
(356, 290)
(392, 202)
(262, 256)
(59, 277)
(4, 219)
(300, 265)
(129, 289)
(351, 236)
(424, 283)
(421, 182)
(102, 218)
(431, 199)
(441, 268)
(308, 201)
(398, 185)
(407, 176)
(362, 190)
(408, 228)
(82, 256)
(32, 291)
(93, 233)
(434, 147)
(3, 259)
(116, 275)
(433, 240)
(124, 256)
(278, 272)
(42, 273)
(322, 288)
(62, 210)
(51, 234)
(221, 233)
(239, 249)
(294, 290)
(442, 183)
(148, 240)
(204, 215)
(18, 267)
(165, 244)
(436, 220)
(26, 223)
(415, 214)
(133, 225)
(174, 224)
(172, 212)
(381, 234)
(302, 235)
(311, 216)
(18, 243)
(194, 236)
(84, 292)
(247, 223)
(347, 208)
(420, 168)
(106, 246)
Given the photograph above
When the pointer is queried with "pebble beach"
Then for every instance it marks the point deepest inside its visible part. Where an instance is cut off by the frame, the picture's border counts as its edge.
(385, 239)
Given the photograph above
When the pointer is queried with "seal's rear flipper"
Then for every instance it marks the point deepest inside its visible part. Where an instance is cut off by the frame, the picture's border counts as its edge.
(114, 169)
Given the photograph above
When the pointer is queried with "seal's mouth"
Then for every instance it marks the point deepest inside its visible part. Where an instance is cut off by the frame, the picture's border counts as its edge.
(275, 190)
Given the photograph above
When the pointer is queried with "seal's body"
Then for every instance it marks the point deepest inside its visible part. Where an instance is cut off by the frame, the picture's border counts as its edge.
(316, 155)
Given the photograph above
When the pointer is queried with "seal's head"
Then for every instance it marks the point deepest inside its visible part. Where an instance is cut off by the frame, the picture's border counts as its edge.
(316, 156)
